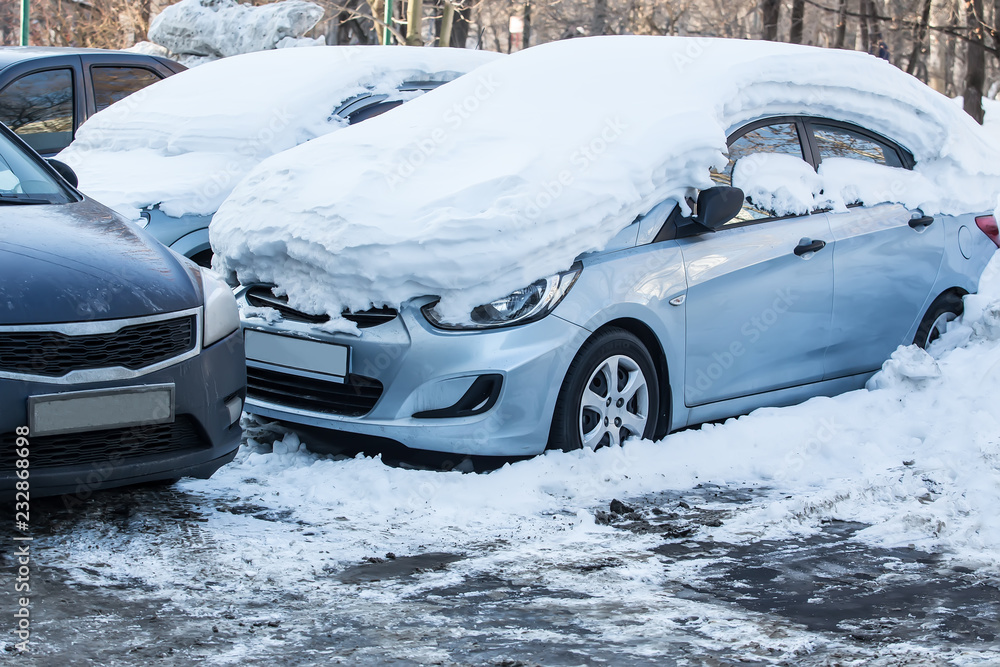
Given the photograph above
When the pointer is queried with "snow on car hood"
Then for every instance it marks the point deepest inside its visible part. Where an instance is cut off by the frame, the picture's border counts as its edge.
(509, 174)
(184, 142)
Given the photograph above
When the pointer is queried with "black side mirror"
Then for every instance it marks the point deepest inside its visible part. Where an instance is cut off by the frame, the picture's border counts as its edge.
(718, 205)
(65, 171)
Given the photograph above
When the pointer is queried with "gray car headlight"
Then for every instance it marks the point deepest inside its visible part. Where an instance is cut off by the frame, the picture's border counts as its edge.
(222, 317)
(519, 307)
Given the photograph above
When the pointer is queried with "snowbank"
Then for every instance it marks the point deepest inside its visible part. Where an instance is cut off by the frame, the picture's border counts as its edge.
(917, 458)
(508, 175)
(186, 141)
(220, 28)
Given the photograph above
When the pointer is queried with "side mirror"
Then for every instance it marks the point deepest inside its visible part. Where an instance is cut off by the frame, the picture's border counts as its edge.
(67, 172)
(718, 205)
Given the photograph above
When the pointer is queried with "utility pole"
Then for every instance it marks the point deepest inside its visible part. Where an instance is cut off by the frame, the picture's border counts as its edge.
(386, 32)
(25, 11)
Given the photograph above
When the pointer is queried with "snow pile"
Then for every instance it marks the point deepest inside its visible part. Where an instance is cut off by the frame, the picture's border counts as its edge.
(508, 175)
(917, 458)
(186, 141)
(210, 29)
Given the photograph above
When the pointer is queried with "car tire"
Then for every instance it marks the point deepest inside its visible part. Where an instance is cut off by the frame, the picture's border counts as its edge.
(944, 309)
(592, 409)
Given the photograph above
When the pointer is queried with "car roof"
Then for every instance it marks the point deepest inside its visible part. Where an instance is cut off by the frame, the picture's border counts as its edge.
(10, 55)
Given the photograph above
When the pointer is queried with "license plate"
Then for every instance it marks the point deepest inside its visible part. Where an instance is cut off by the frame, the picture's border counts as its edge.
(296, 353)
(97, 410)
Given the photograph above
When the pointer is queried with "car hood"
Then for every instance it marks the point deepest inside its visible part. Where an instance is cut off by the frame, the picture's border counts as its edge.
(81, 261)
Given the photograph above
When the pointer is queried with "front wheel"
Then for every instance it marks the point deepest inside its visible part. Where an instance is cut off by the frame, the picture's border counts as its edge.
(610, 393)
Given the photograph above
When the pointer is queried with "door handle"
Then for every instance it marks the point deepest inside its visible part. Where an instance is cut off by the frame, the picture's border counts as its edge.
(806, 246)
(921, 222)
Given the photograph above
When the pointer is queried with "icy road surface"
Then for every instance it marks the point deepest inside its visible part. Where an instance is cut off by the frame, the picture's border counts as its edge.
(172, 575)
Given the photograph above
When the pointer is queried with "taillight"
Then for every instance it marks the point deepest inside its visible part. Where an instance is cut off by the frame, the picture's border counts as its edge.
(988, 225)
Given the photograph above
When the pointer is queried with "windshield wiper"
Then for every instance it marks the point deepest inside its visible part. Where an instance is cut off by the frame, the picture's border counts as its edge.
(19, 199)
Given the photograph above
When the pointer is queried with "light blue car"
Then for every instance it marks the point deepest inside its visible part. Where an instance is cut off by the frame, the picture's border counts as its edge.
(680, 320)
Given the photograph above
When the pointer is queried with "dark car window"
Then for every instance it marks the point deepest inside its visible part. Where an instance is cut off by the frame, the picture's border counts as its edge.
(39, 107)
(116, 83)
(371, 111)
(842, 142)
(774, 138)
(23, 179)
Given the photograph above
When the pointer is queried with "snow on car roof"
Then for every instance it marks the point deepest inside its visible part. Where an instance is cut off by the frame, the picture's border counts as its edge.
(186, 141)
(510, 173)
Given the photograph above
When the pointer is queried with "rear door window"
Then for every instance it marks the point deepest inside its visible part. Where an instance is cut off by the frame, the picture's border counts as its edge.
(846, 143)
(112, 84)
(39, 108)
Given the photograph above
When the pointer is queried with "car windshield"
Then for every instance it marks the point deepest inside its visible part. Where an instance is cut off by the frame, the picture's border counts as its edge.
(23, 180)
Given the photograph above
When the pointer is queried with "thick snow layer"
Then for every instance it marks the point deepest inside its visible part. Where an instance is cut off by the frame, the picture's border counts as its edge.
(220, 28)
(916, 457)
(508, 175)
(186, 141)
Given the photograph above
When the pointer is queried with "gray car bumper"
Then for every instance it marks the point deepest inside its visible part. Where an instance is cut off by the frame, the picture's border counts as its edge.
(423, 370)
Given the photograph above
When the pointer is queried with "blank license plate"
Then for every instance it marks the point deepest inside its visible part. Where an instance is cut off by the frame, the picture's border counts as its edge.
(297, 353)
(79, 411)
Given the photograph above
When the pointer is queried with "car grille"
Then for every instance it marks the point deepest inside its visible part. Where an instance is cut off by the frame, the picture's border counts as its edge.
(54, 354)
(355, 398)
(107, 446)
(262, 297)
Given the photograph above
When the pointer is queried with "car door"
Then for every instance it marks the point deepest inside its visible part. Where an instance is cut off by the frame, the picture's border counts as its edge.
(760, 289)
(885, 257)
(40, 100)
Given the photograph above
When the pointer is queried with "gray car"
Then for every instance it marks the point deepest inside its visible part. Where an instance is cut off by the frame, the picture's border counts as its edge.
(680, 320)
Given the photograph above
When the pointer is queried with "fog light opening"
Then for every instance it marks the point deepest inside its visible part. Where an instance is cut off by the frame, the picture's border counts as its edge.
(479, 398)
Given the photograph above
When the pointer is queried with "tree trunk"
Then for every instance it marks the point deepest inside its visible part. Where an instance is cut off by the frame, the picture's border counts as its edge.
(798, 11)
(841, 37)
(460, 27)
(771, 10)
(599, 20)
(919, 36)
(866, 42)
(414, 22)
(975, 61)
(527, 23)
(447, 21)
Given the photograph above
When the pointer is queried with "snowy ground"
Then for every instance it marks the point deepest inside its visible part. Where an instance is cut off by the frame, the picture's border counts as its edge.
(860, 529)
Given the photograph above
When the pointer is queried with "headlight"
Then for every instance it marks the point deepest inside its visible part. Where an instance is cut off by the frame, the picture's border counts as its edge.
(222, 317)
(519, 307)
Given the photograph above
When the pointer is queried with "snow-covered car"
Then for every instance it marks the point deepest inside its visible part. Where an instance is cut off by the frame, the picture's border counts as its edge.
(170, 156)
(120, 362)
(762, 224)
(46, 93)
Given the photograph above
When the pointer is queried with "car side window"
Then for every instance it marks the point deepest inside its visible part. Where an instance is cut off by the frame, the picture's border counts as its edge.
(782, 138)
(116, 83)
(39, 108)
(842, 142)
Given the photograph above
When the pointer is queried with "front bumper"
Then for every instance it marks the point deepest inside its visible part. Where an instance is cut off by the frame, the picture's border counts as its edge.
(203, 386)
(423, 370)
